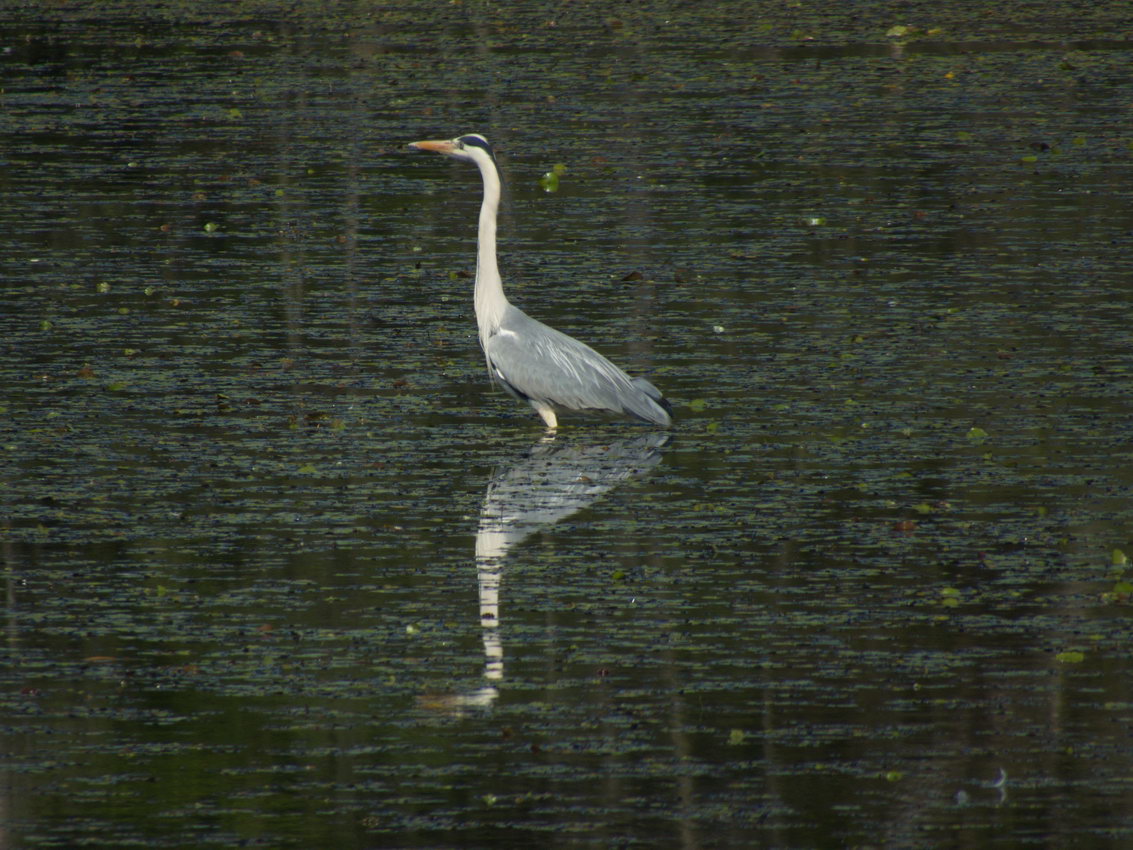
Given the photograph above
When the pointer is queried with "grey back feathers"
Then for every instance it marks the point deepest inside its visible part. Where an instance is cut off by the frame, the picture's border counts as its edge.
(535, 362)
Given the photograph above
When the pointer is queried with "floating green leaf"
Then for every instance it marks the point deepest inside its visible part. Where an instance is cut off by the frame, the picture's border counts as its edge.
(1070, 657)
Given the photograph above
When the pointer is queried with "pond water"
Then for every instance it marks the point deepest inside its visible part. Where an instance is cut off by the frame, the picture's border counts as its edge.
(282, 569)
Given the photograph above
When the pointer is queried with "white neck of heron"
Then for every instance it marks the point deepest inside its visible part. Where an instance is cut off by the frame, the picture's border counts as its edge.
(489, 296)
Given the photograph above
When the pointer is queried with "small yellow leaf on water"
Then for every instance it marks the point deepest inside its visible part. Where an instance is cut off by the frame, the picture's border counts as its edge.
(1070, 657)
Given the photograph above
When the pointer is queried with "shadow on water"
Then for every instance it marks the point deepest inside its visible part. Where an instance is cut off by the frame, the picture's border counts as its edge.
(556, 478)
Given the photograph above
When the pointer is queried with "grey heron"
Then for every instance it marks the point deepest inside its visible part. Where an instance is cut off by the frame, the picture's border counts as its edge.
(536, 363)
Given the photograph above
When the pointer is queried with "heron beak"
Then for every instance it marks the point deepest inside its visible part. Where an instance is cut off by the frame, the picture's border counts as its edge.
(446, 147)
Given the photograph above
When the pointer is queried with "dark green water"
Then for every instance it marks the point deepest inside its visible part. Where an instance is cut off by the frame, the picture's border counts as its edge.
(281, 569)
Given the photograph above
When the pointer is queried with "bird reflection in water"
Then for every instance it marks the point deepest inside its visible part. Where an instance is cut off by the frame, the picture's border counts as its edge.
(554, 480)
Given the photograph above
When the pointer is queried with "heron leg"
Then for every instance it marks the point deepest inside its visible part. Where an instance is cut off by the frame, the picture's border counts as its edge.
(547, 413)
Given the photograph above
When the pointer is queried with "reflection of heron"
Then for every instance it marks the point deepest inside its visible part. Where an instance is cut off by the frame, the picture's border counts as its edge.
(533, 362)
(552, 482)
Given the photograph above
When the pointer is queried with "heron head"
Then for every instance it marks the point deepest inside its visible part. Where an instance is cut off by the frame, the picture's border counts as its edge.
(470, 147)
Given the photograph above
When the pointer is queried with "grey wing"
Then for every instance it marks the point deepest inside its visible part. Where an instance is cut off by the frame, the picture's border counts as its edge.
(537, 362)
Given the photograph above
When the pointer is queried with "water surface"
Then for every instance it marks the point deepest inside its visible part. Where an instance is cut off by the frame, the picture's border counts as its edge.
(281, 568)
